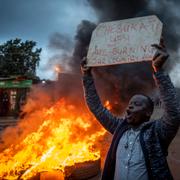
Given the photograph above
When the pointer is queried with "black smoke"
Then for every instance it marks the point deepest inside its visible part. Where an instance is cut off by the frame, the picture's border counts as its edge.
(67, 54)
(167, 11)
(114, 83)
(60, 41)
(118, 83)
(109, 10)
(82, 38)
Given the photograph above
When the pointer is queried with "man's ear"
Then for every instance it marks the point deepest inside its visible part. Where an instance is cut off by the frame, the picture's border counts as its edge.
(148, 113)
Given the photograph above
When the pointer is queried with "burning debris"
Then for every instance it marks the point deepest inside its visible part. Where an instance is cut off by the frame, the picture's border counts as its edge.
(64, 138)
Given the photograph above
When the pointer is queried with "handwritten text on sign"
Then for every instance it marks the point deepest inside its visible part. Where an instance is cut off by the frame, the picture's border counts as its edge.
(124, 41)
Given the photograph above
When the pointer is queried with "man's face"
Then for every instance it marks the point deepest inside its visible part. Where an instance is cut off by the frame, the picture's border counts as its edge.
(137, 111)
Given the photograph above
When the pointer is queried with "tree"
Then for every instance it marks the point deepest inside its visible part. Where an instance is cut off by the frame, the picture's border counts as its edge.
(19, 58)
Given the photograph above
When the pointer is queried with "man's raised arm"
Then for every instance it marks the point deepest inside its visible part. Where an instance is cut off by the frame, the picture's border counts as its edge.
(109, 121)
(169, 124)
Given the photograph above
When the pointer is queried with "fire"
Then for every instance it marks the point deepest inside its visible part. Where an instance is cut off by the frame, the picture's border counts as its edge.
(57, 68)
(65, 137)
(107, 105)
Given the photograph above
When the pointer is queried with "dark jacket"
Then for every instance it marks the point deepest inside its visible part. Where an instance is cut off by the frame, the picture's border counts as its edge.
(155, 136)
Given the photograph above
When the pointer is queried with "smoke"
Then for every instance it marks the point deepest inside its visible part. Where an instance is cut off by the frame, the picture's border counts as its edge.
(118, 83)
(66, 56)
(60, 41)
(69, 83)
(82, 39)
(114, 83)
(167, 11)
(69, 55)
(60, 50)
(169, 14)
(108, 10)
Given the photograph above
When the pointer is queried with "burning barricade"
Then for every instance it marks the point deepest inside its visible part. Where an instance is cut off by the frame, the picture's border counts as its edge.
(62, 138)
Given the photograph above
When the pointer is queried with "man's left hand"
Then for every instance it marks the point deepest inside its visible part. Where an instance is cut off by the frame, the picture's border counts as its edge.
(160, 57)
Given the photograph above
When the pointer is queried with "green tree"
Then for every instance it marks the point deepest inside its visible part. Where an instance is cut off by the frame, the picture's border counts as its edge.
(19, 58)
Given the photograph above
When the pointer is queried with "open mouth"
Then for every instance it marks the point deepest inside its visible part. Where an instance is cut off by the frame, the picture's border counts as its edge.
(128, 114)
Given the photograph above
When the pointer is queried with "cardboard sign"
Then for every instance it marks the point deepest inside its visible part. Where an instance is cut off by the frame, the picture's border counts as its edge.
(124, 41)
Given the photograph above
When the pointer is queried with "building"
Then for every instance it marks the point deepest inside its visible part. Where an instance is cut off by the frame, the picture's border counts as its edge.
(13, 93)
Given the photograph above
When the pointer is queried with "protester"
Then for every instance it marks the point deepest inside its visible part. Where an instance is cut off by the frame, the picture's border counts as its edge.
(139, 147)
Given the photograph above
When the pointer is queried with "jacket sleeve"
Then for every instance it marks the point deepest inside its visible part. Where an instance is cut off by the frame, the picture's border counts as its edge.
(109, 121)
(168, 125)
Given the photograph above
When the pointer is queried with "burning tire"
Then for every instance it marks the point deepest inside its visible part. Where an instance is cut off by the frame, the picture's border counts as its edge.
(79, 171)
(85, 170)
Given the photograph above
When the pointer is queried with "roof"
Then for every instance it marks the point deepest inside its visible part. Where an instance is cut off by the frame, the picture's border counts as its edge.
(13, 83)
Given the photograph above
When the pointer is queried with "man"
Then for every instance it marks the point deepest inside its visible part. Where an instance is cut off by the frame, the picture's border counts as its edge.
(139, 147)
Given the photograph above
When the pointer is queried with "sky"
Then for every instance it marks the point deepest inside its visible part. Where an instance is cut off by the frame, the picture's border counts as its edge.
(38, 20)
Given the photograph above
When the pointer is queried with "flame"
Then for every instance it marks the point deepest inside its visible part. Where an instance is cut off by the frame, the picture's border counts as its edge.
(57, 69)
(65, 137)
(107, 105)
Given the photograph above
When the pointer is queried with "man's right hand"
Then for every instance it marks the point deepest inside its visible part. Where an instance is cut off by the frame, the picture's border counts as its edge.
(84, 68)
(160, 57)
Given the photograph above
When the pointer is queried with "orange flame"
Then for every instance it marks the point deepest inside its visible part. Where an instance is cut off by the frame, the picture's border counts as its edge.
(107, 105)
(65, 137)
(57, 68)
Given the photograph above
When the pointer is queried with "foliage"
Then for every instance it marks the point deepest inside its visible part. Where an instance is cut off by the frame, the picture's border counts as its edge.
(19, 58)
